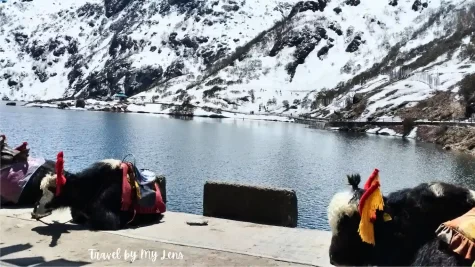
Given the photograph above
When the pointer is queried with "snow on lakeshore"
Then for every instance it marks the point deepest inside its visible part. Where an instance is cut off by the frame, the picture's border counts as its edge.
(201, 112)
(373, 131)
(390, 132)
(412, 134)
(158, 109)
(40, 105)
(383, 131)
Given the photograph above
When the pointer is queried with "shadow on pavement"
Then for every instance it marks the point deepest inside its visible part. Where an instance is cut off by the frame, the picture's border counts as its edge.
(28, 261)
(40, 261)
(13, 249)
(56, 229)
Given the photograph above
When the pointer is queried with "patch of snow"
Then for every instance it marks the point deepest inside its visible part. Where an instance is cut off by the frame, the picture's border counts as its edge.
(373, 130)
(383, 131)
(413, 133)
(389, 132)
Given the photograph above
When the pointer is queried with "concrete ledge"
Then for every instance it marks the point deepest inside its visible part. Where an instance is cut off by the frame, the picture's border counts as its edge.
(255, 204)
(220, 243)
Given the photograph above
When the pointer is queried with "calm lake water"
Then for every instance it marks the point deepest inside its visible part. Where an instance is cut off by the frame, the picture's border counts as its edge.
(190, 152)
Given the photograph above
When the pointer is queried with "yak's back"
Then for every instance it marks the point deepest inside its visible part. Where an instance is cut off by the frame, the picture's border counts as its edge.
(417, 212)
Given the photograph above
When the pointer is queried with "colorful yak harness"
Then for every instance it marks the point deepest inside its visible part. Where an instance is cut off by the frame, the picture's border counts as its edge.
(14, 178)
(459, 234)
(140, 192)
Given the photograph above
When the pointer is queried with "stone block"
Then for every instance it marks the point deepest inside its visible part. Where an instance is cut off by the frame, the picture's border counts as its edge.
(271, 206)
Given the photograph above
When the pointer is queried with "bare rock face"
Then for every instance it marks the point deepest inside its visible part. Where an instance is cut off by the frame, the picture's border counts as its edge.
(175, 69)
(442, 106)
(419, 5)
(113, 7)
(80, 103)
(353, 46)
(352, 2)
(12, 82)
(303, 6)
(449, 137)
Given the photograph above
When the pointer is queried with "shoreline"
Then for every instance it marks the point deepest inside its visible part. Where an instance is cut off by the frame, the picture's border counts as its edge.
(160, 109)
(450, 135)
(458, 137)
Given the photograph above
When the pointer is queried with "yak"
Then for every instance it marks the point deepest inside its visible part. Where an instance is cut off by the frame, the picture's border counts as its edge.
(28, 181)
(404, 230)
(96, 197)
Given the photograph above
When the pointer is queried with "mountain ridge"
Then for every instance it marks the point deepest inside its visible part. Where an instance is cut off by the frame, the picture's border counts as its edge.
(349, 59)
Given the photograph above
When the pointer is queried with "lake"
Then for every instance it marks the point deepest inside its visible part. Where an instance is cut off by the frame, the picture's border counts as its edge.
(189, 152)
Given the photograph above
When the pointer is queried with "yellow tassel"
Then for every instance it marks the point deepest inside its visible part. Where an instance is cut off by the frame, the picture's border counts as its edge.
(366, 229)
(137, 189)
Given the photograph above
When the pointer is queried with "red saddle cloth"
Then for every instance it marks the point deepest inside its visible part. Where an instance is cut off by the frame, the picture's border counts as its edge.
(459, 234)
(129, 194)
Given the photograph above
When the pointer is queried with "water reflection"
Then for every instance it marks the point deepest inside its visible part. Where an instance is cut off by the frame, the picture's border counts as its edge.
(189, 152)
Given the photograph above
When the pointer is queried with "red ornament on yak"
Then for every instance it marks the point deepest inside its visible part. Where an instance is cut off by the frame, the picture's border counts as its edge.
(370, 202)
(22, 146)
(60, 179)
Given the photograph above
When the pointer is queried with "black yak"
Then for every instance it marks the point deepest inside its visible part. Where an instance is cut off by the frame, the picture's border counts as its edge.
(399, 229)
(105, 196)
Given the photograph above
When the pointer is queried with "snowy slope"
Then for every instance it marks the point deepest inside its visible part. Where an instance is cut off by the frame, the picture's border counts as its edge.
(236, 55)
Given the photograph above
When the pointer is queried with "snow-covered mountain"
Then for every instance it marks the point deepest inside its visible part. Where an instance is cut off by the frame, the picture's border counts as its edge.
(358, 58)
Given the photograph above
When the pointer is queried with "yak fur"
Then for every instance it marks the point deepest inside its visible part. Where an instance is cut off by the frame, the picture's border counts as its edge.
(408, 239)
(94, 197)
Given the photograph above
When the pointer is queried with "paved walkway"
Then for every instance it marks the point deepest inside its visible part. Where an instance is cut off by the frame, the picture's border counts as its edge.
(221, 243)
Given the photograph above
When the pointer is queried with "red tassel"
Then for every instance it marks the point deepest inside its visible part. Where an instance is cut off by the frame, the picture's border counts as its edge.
(60, 179)
(366, 194)
(370, 180)
(22, 146)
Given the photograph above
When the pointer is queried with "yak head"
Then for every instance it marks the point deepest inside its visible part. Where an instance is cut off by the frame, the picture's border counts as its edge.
(10, 156)
(347, 247)
(51, 187)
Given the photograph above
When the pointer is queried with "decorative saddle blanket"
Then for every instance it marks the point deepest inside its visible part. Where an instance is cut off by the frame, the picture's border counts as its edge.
(14, 178)
(459, 234)
(139, 191)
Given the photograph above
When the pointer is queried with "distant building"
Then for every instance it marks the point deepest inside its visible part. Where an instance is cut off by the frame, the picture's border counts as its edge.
(120, 97)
